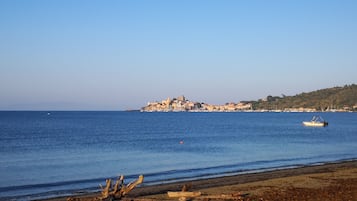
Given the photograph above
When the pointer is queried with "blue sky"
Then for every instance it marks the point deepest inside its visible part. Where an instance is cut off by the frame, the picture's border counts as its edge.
(117, 55)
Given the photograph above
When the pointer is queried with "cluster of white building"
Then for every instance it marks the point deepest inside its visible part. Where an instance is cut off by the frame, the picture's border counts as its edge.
(180, 104)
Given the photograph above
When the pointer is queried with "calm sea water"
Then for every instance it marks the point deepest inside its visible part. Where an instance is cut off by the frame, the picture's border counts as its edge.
(59, 153)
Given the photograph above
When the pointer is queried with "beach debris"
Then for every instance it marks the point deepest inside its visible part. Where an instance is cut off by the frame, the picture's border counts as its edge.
(110, 192)
(184, 193)
(119, 190)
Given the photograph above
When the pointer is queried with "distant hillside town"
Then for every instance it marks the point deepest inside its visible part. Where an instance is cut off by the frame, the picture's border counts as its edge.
(181, 104)
(336, 99)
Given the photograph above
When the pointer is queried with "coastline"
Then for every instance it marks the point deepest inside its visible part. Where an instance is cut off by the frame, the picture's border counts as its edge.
(312, 178)
(209, 149)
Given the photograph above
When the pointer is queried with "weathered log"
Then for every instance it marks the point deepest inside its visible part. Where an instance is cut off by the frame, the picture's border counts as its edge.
(178, 194)
(183, 195)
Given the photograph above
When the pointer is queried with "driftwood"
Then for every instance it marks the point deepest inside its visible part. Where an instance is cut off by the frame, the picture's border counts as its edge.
(199, 196)
(180, 194)
(106, 190)
(184, 193)
(109, 192)
(119, 190)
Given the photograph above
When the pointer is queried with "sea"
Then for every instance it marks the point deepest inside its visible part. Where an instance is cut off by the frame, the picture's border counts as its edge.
(46, 154)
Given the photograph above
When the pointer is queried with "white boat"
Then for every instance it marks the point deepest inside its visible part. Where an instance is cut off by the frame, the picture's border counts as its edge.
(316, 121)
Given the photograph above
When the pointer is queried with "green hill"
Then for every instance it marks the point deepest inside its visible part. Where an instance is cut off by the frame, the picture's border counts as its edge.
(336, 98)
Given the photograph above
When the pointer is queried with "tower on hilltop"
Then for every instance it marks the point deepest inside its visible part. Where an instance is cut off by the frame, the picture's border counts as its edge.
(181, 98)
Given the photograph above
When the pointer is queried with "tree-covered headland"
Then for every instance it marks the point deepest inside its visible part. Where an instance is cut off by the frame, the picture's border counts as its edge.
(330, 99)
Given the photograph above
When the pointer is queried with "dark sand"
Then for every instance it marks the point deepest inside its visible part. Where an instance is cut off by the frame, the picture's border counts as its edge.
(333, 181)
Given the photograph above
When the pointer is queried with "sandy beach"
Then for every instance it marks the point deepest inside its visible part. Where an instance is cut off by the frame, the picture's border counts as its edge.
(332, 181)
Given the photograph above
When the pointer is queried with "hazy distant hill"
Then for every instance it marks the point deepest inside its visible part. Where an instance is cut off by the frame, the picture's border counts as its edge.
(336, 98)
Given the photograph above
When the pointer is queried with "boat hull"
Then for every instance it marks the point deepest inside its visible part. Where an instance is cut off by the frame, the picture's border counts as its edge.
(314, 124)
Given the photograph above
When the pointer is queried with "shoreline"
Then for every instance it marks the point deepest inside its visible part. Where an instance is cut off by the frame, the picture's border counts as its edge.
(158, 191)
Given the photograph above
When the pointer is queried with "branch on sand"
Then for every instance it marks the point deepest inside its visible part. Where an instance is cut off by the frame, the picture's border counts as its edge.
(119, 190)
(116, 192)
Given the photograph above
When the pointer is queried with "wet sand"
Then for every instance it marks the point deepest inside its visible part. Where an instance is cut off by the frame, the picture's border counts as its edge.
(333, 181)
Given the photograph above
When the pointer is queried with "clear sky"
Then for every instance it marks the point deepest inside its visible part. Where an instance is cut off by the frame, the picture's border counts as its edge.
(120, 54)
